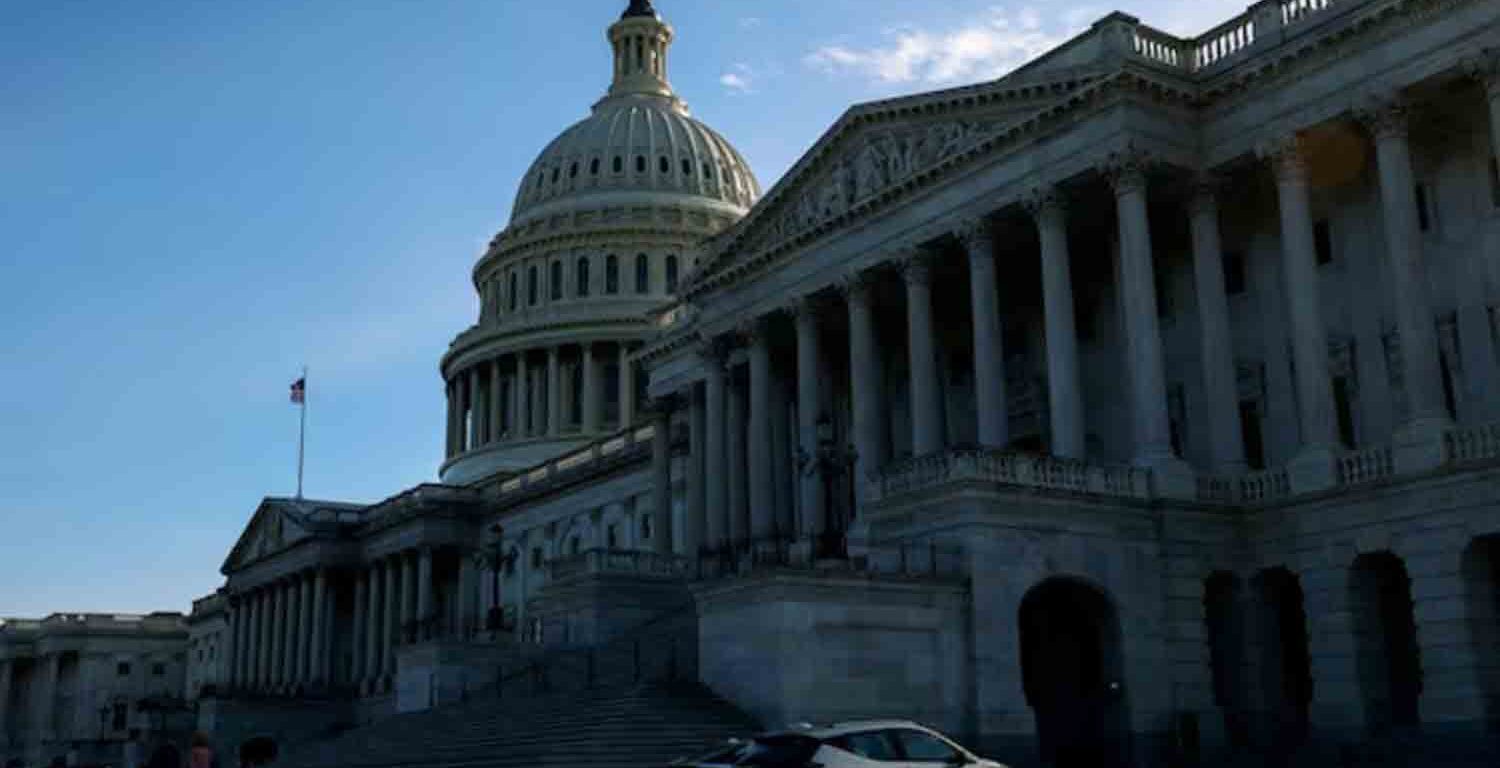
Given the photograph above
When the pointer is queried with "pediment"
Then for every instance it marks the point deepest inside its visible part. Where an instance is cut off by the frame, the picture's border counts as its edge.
(273, 528)
(879, 147)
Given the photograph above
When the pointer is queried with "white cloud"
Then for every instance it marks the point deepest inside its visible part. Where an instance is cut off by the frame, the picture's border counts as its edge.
(749, 22)
(983, 50)
(739, 80)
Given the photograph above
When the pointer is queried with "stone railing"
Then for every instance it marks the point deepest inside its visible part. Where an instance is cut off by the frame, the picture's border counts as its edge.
(1224, 41)
(619, 562)
(1266, 22)
(1022, 470)
(1366, 466)
(1162, 48)
(580, 460)
(1251, 488)
(1298, 11)
(1462, 445)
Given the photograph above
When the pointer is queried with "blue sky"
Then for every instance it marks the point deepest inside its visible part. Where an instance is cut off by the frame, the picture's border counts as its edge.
(198, 198)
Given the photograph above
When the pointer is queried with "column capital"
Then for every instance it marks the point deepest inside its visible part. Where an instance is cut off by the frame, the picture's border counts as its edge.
(807, 306)
(751, 332)
(1046, 201)
(1484, 67)
(1287, 155)
(977, 235)
(855, 285)
(915, 266)
(1203, 193)
(1125, 169)
(1385, 116)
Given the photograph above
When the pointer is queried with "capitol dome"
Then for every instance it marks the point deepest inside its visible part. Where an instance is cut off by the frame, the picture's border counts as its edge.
(606, 222)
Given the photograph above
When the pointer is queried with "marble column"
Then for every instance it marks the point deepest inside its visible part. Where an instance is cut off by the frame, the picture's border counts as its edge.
(496, 401)
(252, 642)
(278, 635)
(1152, 423)
(361, 629)
(735, 460)
(408, 594)
(627, 387)
(926, 384)
(6, 666)
(591, 398)
(306, 633)
(296, 628)
(991, 404)
(391, 615)
(318, 636)
(1064, 384)
(1215, 344)
(521, 400)
(1309, 338)
(554, 392)
(865, 377)
(476, 417)
(375, 622)
(758, 464)
(1421, 368)
(46, 699)
(235, 646)
(715, 450)
(661, 477)
(809, 411)
(695, 533)
(424, 592)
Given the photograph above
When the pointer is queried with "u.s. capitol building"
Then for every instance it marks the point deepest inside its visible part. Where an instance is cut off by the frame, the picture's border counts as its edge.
(1139, 405)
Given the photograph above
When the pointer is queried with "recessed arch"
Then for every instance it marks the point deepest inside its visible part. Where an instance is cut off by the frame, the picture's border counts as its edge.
(1385, 633)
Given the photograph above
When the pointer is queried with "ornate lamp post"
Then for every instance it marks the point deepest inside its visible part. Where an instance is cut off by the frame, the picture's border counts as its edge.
(832, 463)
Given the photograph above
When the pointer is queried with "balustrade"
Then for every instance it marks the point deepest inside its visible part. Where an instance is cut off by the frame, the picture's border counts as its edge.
(1366, 466)
(1462, 445)
(1018, 469)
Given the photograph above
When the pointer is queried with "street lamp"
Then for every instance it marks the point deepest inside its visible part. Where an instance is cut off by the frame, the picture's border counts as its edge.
(831, 462)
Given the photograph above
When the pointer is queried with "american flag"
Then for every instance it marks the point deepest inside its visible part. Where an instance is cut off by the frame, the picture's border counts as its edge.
(299, 391)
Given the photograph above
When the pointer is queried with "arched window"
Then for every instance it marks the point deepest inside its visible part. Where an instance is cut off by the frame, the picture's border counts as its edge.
(642, 274)
(666, 165)
(671, 274)
(557, 281)
(594, 167)
(687, 167)
(581, 274)
(533, 286)
(541, 178)
(708, 171)
(555, 172)
(619, 164)
(611, 275)
(573, 171)
(515, 295)
(640, 163)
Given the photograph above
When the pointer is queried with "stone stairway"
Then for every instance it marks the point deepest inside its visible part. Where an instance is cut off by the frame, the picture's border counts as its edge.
(644, 725)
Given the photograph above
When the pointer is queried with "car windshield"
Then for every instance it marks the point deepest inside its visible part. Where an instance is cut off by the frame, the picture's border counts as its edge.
(780, 751)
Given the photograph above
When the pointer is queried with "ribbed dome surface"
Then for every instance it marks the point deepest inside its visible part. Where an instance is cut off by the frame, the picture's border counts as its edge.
(635, 145)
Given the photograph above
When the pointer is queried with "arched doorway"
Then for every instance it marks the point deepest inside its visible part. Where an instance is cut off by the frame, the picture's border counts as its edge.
(1481, 571)
(1071, 669)
(1390, 666)
(1285, 662)
(1225, 631)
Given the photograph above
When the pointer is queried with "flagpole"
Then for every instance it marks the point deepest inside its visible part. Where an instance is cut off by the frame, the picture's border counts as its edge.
(302, 433)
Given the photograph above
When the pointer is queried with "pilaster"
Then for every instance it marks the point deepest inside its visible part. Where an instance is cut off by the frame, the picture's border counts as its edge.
(715, 448)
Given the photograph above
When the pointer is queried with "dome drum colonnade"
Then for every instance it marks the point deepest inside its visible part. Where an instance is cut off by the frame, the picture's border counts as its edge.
(737, 467)
(598, 238)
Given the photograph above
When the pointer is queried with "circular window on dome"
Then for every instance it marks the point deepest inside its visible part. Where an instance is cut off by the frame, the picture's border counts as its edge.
(619, 164)
(640, 163)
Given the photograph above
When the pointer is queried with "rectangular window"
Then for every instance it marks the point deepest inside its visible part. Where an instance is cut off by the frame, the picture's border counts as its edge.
(122, 669)
(1424, 214)
(158, 670)
(1323, 240)
(1163, 294)
(1255, 447)
(1344, 406)
(1234, 272)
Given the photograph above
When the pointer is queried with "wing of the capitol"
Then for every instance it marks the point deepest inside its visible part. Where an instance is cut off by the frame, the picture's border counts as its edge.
(1141, 407)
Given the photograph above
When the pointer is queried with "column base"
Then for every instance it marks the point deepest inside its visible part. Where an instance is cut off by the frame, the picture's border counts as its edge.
(1418, 445)
(1314, 469)
(1171, 477)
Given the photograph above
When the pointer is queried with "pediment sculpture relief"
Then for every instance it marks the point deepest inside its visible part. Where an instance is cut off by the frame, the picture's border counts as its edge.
(876, 161)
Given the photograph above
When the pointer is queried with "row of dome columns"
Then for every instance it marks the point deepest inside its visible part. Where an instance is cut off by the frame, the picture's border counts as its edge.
(732, 473)
(480, 414)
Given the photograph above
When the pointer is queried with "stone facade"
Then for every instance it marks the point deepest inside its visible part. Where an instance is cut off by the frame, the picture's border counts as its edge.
(80, 686)
(1140, 405)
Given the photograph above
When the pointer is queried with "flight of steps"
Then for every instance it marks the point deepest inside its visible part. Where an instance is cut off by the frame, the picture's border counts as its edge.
(647, 725)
